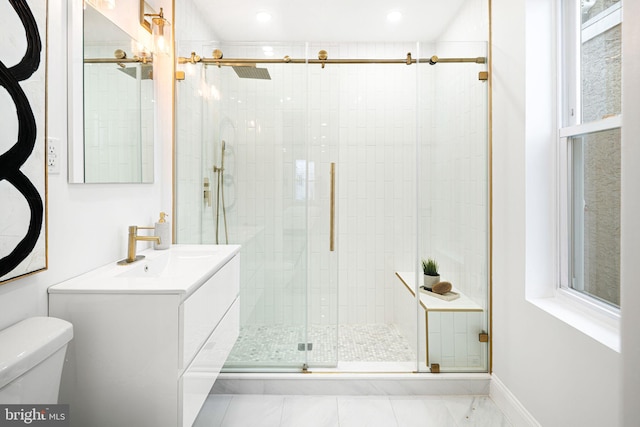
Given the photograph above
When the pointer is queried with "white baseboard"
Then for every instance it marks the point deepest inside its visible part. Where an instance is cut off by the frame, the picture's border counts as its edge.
(510, 405)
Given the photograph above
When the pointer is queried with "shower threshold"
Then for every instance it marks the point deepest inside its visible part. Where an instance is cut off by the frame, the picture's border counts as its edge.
(340, 368)
(331, 384)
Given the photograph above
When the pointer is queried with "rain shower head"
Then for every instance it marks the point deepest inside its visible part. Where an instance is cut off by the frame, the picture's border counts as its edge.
(146, 71)
(251, 72)
(244, 70)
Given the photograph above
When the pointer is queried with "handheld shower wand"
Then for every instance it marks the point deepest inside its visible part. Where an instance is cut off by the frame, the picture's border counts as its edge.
(219, 171)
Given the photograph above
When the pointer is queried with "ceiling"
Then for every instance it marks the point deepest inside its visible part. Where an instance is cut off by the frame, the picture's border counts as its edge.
(328, 20)
(98, 28)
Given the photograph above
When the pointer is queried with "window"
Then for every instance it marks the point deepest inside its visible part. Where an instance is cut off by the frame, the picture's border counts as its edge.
(301, 180)
(589, 140)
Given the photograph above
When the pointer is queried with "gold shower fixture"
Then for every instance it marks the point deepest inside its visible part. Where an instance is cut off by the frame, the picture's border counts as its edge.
(323, 59)
(155, 26)
(193, 59)
(120, 57)
(323, 56)
(244, 69)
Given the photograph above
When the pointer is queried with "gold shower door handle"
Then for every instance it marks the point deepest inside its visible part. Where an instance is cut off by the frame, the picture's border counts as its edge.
(332, 209)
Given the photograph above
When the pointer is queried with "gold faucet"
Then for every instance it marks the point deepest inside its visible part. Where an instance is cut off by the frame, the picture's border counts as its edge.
(133, 239)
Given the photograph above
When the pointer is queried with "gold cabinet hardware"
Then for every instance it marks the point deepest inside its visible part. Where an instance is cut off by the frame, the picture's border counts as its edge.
(483, 75)
(435, 368)
(483, 337)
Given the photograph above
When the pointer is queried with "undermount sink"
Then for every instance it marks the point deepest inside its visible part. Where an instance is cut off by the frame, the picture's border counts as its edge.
(180, 269)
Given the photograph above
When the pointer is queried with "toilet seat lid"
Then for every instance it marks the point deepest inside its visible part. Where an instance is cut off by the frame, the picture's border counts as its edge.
(29, 342)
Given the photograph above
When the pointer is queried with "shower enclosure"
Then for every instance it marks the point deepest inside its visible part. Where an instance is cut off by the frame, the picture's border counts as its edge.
(337, 179)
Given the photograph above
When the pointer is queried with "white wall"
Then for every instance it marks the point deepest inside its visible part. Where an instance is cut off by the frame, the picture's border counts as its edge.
(470, 23)
(87, 224)
(630, 251)
(191, 31)
(562, 376)
(457, 231)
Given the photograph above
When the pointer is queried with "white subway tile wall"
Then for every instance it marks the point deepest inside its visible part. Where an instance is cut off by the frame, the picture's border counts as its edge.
(366, 119)
(453, 340)
(455, 184)
(118, 130)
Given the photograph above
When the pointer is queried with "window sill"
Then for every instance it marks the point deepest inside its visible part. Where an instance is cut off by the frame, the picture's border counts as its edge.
(591, 321)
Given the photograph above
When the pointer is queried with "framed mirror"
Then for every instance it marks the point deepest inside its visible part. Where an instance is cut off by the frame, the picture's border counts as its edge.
(111, 95)
(145, 19)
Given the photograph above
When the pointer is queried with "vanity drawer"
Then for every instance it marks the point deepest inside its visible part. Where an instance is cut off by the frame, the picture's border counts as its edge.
(204, 309)
(196, 382)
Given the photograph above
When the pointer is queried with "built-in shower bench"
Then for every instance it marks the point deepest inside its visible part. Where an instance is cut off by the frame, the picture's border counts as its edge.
(452, 336)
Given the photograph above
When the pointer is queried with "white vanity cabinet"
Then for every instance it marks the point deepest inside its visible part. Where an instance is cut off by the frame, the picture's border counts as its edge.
(147, 350)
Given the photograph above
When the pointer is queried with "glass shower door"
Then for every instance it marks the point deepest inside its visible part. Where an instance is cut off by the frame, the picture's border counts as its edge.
(269, 190)
(323, 168)
(282, 161)
(453, 206)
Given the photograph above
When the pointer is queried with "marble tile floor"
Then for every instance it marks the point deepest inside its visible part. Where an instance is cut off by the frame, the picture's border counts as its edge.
(248, 410)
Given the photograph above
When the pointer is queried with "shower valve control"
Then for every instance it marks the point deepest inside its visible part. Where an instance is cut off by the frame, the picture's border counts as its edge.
(206, 192)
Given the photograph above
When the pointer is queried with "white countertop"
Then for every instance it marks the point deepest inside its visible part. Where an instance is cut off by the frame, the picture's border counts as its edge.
(181, 269)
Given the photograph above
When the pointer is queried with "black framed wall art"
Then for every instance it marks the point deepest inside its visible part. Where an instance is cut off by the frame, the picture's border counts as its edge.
(23, 178)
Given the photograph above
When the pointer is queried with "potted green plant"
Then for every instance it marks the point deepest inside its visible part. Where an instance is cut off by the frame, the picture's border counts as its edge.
(431, 275)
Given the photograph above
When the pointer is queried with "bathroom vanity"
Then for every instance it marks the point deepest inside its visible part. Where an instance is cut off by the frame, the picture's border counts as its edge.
(150, 338)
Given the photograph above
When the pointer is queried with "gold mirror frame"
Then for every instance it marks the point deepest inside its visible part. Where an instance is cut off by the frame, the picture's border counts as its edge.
(145, 21)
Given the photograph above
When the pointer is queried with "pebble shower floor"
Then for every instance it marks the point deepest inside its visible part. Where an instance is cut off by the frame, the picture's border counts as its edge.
(278, 344)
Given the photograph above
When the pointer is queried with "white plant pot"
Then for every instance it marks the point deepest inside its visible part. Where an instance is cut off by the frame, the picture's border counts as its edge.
(429, 281)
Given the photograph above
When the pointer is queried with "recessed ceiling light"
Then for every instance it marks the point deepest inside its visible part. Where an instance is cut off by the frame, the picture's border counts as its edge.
(263, 17)
(394, 16)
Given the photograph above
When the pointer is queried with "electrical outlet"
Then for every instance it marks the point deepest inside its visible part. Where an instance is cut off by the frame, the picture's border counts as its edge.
(53, 156)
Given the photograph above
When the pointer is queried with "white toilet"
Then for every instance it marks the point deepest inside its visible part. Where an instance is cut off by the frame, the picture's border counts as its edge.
(31, 357)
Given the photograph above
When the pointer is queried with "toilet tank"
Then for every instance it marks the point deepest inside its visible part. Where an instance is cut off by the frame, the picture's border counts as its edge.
(31, 358)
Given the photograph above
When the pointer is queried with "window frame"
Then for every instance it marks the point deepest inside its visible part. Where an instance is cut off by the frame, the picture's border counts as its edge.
(572, 32)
